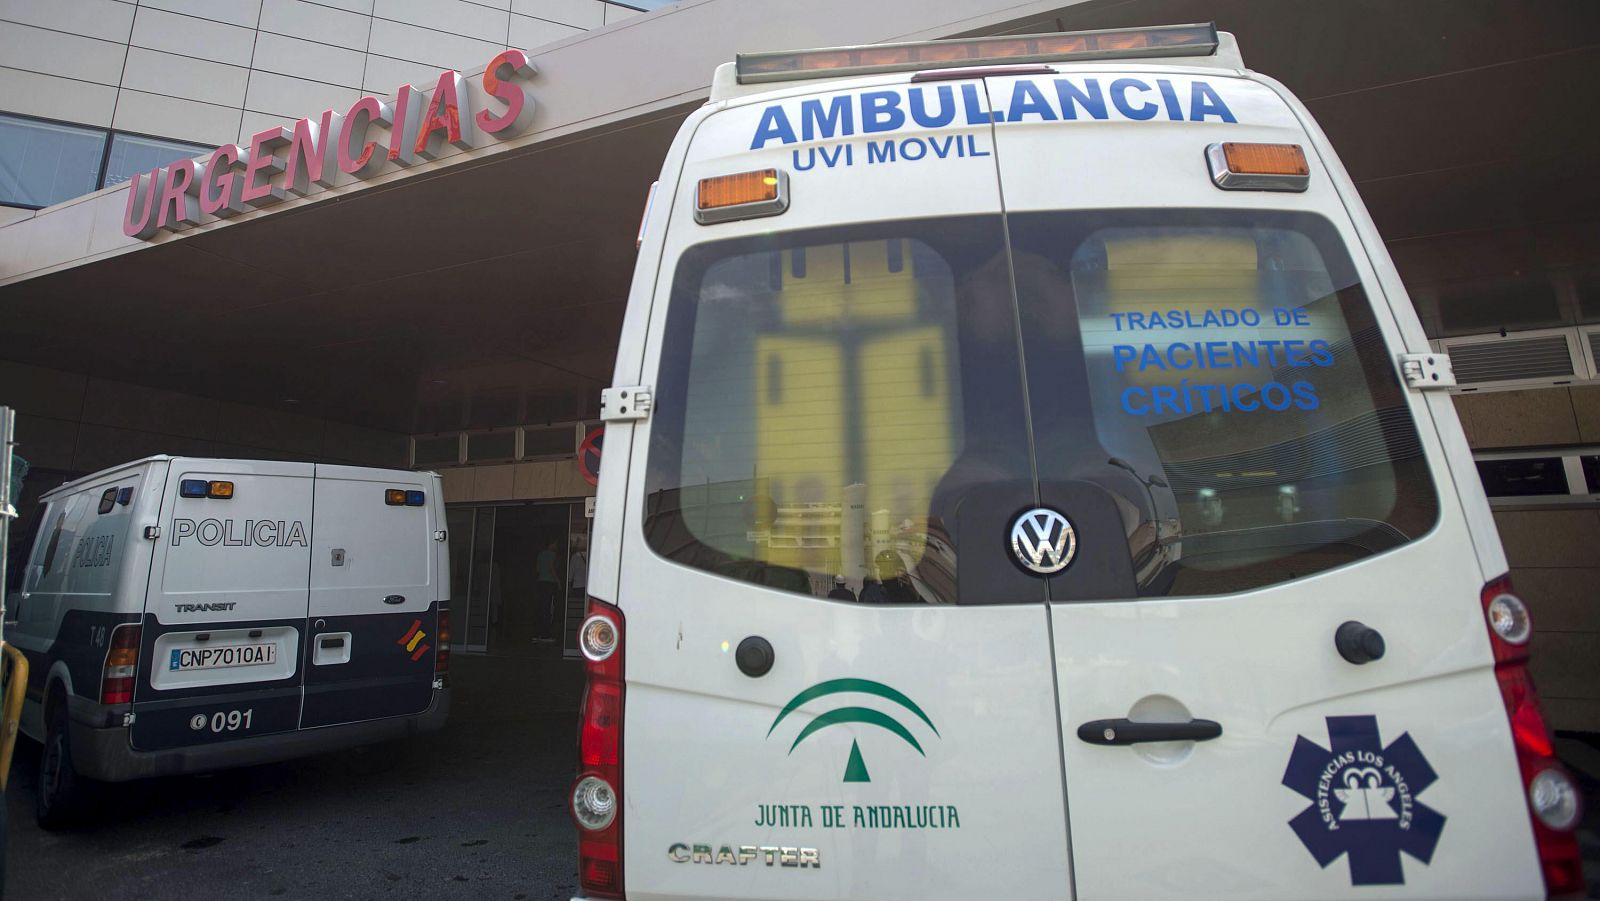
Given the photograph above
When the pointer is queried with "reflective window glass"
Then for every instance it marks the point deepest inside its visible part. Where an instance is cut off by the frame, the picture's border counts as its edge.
(483, 446)
(42, 163)
(839, 413)
(436, 450)
(1524, 477)
(133, 154)
(1213, 385)
(549, 441)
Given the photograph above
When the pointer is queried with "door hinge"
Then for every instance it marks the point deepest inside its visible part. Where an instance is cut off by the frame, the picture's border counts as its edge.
(152, 532)
(625, 404)
(1427, 371)
(440, 535)
(129, 718)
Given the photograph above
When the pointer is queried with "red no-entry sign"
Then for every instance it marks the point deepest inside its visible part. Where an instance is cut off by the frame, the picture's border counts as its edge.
(589, 455)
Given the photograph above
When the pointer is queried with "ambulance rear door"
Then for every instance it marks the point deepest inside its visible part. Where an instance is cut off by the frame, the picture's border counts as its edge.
(837, 443)
(1219, 419)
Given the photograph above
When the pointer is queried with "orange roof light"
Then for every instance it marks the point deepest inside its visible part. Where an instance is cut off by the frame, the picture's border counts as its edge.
(1108, 43)
(1258, 167)
(884, 56)
(1266, 159)
(743, 195)
(1133, 40)
(954, 52)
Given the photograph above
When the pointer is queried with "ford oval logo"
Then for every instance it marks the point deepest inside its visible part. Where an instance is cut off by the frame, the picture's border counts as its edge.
(1043, 541)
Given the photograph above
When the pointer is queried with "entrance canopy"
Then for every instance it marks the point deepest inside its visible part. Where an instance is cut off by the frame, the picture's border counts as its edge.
(487, 288)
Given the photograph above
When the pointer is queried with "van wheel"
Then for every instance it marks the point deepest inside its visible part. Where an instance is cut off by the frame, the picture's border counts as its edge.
(62, 796)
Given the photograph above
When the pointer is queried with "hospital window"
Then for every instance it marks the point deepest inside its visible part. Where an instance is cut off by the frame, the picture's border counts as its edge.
(44, 162)
(133, 154)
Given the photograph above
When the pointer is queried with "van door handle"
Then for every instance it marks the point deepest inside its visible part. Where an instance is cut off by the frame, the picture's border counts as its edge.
(1128, 732)
(395, 599)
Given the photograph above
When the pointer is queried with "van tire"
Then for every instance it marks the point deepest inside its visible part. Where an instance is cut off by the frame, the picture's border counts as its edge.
(62, 796)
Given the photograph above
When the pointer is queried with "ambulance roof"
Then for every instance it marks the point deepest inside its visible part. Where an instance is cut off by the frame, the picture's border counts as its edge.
(1178, 45)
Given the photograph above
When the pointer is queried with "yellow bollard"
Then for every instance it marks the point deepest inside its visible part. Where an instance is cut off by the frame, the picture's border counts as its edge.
(15, 682)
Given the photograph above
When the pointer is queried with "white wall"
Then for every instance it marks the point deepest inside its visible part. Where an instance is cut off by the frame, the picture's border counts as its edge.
(215, 71)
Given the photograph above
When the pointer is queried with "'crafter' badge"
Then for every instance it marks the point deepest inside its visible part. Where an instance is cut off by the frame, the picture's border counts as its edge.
(1043, 541)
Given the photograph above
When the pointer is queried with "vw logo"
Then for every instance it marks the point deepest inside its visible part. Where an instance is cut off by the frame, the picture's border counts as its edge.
(1043, 541)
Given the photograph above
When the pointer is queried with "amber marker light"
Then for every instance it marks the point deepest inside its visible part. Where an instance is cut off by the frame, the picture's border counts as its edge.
(1266, 159)
(1258, 167)
(743, 195)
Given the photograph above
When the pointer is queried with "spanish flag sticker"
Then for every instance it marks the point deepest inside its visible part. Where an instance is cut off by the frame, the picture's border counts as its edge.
(412, 640)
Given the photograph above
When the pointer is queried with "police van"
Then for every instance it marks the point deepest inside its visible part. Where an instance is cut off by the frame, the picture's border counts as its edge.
(182, 615)
(1026, 477)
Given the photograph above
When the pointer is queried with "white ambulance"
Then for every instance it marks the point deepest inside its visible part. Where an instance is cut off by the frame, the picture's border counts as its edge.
(182, 615)
(1026, 477)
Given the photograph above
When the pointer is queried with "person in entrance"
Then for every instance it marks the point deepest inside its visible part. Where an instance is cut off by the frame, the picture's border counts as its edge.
(547, 590)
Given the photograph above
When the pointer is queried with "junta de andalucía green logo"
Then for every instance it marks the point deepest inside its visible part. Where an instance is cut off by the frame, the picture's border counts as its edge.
(856, 768)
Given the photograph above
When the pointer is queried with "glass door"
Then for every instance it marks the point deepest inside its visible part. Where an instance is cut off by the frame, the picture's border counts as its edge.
(578, 523)
(481, 608)
(513, 577)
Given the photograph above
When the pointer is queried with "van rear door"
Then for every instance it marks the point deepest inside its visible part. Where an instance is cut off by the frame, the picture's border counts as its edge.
(1217, 414)
(226, 603)
(373, 620)
(837, 444)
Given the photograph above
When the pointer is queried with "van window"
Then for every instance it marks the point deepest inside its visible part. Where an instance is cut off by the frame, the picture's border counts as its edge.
(48, 562)
(825, 401)
(1224, 370)
(20, 546)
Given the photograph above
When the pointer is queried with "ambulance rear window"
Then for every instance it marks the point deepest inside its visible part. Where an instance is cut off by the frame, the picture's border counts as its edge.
(1222, 374)
(863, 413)
(816, 390)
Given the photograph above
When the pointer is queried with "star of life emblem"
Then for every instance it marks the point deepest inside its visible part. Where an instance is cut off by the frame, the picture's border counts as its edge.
(1364, 801)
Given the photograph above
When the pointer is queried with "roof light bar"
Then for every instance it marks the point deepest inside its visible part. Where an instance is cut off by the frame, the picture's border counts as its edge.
(1108, 43)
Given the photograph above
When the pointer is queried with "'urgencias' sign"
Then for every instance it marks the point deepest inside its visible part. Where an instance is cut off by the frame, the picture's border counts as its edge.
(285, 160)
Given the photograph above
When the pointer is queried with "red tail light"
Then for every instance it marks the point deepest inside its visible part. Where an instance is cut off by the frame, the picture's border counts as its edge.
(441, 657)
(122, 664)
(596, 800)
(1552, 796)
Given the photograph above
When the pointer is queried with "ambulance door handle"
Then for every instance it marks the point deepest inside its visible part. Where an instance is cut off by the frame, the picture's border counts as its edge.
(1128, 732)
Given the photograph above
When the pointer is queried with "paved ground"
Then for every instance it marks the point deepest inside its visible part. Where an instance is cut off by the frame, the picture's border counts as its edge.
(476, 810)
